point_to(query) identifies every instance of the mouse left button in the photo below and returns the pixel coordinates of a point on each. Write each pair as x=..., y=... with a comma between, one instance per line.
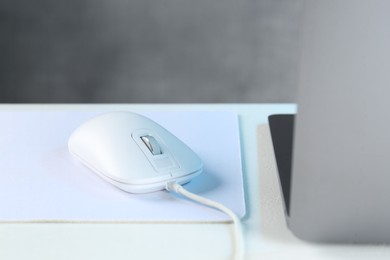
x=152, y=144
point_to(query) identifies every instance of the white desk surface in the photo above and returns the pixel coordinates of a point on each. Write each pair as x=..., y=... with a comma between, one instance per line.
x=265, y=232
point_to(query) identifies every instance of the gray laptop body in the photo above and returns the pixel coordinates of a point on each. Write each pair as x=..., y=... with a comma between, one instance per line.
x=339, y=190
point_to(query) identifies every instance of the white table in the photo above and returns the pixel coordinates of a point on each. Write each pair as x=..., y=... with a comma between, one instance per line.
x=265, y=232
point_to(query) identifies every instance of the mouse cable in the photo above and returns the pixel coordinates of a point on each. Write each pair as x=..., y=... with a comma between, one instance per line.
x=238, y=237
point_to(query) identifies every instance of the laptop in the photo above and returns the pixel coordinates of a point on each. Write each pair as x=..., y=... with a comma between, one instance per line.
x=333, y=156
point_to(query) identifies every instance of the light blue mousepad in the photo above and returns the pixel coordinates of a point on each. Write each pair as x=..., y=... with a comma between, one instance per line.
x=41, y=181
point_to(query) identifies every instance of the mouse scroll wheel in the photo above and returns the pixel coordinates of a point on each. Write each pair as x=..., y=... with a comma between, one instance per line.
x=152, y=144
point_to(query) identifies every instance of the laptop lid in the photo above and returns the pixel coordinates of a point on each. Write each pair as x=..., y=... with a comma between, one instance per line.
x=340, y=189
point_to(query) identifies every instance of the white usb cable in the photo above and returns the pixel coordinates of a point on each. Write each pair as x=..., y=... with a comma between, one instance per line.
x=238, y=238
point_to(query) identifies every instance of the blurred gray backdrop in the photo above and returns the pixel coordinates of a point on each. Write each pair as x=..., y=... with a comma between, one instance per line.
x=139, y=51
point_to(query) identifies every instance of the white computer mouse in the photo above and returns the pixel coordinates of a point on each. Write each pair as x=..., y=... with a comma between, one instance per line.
x=133, y=152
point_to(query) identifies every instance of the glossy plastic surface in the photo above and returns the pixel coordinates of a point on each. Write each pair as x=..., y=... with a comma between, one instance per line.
x=111, y=145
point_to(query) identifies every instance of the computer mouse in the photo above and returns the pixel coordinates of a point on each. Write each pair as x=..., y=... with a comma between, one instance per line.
x=133, y=152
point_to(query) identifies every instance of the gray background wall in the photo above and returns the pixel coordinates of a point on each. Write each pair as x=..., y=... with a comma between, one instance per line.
x=149, y=50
